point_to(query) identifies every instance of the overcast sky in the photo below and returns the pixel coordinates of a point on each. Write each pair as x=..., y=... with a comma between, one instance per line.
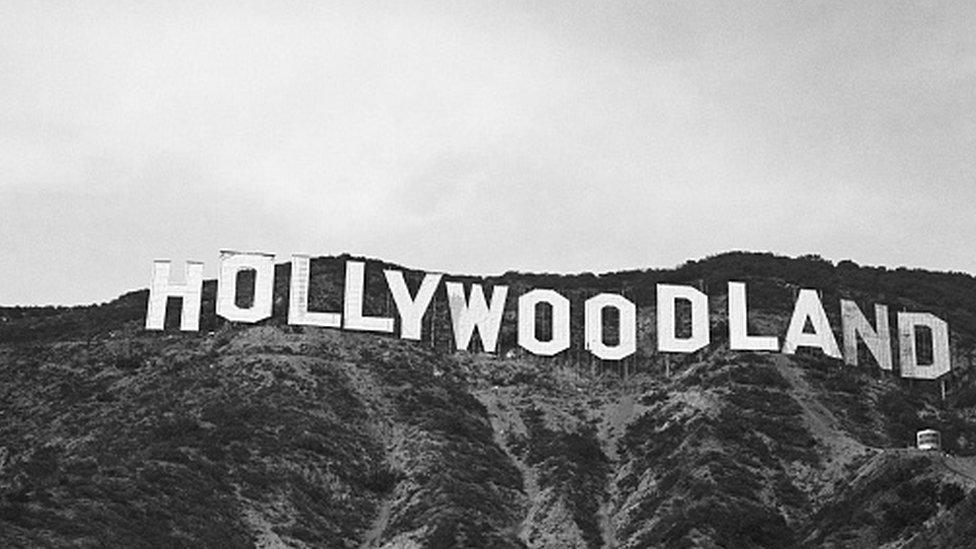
x=480, y=137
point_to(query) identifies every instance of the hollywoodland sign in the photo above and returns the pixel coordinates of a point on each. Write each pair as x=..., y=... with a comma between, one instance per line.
x=471, y=311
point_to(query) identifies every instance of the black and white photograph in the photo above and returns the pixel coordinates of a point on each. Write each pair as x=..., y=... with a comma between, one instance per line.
x=442, y=274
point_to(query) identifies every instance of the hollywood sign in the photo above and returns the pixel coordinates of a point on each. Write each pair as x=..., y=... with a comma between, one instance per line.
x=471, y=312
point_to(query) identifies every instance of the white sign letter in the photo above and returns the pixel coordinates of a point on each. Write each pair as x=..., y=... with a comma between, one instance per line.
x=467, y=315
x=910, y=368
x=560, y=322
x=411, y=310
x=232, y=263
x=594, y=326
x=877, y=341
x=667, y=340
x=160, y=289
x=808, y=306
x=298, y=314
x=739, y=338
x=353, y=306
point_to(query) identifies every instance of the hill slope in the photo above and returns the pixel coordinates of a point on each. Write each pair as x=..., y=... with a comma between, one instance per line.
x=276, y=436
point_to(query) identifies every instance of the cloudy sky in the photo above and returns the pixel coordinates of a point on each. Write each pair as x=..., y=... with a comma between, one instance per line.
x=480, y=137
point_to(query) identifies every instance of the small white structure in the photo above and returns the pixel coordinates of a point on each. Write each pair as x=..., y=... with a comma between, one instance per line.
x=928, y=439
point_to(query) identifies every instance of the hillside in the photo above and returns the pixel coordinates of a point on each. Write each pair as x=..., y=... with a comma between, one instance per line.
x=279, y=436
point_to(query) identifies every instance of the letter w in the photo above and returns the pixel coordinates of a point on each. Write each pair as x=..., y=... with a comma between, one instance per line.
x=466, y=315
